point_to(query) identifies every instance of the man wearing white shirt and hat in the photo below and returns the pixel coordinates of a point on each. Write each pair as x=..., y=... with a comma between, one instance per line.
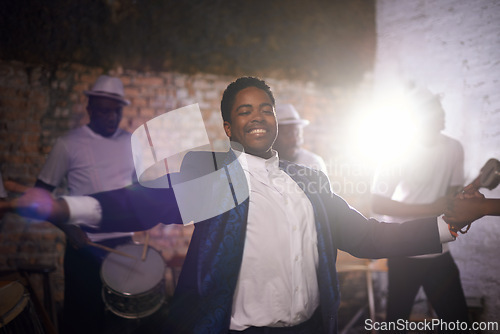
x=290, y=139
x=92, y=158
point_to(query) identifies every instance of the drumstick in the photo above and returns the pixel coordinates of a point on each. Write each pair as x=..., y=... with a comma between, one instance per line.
x=488, y=171
x=145, y=249
x=111, y=250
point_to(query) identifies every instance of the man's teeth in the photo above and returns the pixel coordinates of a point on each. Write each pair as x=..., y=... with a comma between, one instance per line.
x=258, y=131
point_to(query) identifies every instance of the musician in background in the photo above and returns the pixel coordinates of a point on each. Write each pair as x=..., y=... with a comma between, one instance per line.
x=417, y=187
x=290, y=138
x=92, y=158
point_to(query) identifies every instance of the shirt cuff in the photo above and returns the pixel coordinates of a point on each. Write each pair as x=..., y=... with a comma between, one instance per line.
x=84, y=211
x=444, y=232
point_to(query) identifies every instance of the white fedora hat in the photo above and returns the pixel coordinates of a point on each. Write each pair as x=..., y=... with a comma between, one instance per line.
x=286, y=114
x=109, y=87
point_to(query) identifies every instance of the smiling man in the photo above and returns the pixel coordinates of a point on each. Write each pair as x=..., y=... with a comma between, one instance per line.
x=249, y=118
x=268, y=264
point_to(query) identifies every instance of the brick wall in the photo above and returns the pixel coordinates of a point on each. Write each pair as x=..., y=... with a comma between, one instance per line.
x=37, y=106
x=453, y=47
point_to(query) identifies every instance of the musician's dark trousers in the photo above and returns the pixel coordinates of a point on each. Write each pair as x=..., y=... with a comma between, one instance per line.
x=84, y=309
x=440, y=279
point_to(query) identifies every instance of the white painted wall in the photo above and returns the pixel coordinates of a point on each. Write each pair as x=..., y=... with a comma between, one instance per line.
x=453, y=46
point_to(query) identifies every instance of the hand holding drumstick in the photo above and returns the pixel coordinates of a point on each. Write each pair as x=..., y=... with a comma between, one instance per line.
x=468, y=206
x=464, y=209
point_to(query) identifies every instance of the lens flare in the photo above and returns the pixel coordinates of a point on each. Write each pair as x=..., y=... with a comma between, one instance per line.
x=384, y=129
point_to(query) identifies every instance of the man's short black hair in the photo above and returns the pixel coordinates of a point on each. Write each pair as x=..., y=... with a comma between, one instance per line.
x=234, y=88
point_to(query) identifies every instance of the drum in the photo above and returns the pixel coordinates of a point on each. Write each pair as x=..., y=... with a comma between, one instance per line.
x=133, y=288
x=17, y=313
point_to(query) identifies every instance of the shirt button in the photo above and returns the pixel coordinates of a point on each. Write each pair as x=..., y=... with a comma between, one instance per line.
x=296, y=257
x=295, y=227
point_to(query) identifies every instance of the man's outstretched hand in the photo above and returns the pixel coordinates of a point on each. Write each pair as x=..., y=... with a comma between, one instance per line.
x=39, y=204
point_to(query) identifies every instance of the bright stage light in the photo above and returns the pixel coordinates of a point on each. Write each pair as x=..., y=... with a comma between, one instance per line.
x=384, y=129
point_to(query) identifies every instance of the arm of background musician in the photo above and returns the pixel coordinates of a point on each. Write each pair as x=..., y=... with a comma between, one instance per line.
x=463, y=211
x=492, y=207
x=386, y=206
x=40, y=184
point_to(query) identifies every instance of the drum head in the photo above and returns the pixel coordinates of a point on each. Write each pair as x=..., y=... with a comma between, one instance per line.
x=132, y=276
x=12, y=302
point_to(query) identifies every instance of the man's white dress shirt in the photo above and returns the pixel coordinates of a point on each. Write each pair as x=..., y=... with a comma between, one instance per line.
x=277, y=285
